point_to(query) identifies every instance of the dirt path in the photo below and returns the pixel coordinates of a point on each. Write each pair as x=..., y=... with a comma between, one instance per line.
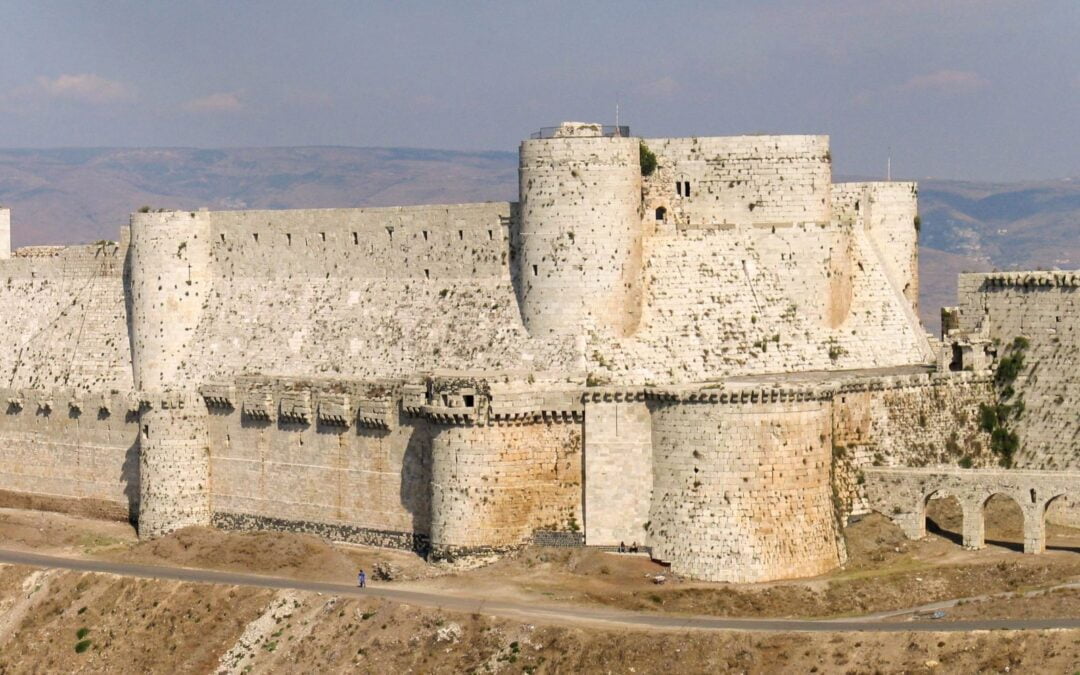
x=530, y=611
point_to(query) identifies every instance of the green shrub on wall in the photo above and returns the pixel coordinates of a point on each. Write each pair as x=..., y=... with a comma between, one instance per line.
x=648, y=160
x=995, y=419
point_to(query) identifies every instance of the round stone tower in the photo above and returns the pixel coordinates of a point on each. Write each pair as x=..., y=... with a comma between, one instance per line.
x=169, y=278
x=579, y=231
x=742, y=487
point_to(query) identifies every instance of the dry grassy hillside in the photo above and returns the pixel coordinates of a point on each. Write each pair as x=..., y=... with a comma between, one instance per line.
x=59, y=621
x=81, y=195
x=91, y=623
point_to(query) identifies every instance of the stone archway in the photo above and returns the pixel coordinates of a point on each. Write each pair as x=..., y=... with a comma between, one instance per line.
x=1005, y=521
x=1065, y=532
x=943, y=514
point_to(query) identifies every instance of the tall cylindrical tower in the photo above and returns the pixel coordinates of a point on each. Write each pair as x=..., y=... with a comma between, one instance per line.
x=579, y=232
x=168, y=280
x=742, y=490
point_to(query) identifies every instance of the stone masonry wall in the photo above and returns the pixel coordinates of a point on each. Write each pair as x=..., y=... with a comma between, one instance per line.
x=618, y=467
x=887, y=211
x=919, y=420
x=174, y=464
x=492, y=486
x=578, y=247
x=742, y=491
x=5, y=233
x=67, y=451
x=64, y=322
x=748, y=299
x=741, y=180
x=329, y=457
x=1043, y=307
x=368, y=293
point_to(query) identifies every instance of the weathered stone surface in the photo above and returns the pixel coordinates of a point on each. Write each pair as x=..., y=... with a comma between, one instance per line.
x=704, y=361
x=902, y=494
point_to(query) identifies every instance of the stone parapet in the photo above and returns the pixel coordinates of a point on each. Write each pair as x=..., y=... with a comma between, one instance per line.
x=1029, y=279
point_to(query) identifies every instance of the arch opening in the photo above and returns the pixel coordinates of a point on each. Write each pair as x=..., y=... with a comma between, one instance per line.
x=1004, y=521
x=1061, y=518
x=944, y=516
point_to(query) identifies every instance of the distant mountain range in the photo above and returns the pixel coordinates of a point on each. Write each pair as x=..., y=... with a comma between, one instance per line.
x=61, y=196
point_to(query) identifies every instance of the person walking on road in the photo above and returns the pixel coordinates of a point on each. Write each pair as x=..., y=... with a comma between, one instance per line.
x=361, y=579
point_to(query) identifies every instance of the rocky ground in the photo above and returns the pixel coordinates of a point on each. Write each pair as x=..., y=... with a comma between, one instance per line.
x=57, y=621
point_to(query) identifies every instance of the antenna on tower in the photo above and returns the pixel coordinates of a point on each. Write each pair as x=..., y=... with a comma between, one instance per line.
x=888, y=168
x=617, y=130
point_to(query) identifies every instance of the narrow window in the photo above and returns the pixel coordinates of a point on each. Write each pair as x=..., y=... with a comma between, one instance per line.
x=222, y=237
x=661, y=212
x=322, y=235
x=288, y=238
x=427, y=274
x=461, y=234
x=535, y=270
x=678, y=187
x=469, y=400
x=425, y=235
x=686, y=188
x=491, y=235
x=255, y=236
x=355, y=239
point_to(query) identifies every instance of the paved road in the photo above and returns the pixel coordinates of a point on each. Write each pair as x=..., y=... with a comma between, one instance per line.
x=526, y=611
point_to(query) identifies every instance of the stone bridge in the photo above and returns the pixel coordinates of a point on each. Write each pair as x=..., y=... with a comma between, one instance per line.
x=902, y=494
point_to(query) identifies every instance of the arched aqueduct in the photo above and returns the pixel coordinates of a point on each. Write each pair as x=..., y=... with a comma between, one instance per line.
x=902, y=494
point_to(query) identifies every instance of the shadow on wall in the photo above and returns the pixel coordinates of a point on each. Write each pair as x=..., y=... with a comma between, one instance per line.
x=415, y=490
x=127, y=312
x=514, y=244
x=129, y=476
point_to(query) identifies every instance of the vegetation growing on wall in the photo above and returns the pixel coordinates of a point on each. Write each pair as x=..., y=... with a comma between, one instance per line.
x=996, y=419
x=648, y=160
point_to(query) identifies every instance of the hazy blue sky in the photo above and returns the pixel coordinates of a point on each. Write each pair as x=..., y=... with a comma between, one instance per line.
x=981, y=89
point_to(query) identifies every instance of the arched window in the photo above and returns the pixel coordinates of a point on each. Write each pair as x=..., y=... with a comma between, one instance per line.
x=661, y=213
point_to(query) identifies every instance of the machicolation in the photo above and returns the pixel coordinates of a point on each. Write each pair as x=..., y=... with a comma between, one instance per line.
x=705, y=355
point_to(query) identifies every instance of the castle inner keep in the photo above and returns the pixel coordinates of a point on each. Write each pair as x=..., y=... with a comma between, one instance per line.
x=701, y=359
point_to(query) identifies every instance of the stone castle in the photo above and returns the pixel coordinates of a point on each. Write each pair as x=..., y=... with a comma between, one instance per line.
x=700, y=358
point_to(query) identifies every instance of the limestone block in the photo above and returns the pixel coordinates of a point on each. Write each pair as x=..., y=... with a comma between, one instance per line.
x=377, y=413
x=295, y=406
x=219, y=395
x=259, y=404
x=334, y=409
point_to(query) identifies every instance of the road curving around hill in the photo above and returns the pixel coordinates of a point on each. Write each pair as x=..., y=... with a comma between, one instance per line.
x=537, y=612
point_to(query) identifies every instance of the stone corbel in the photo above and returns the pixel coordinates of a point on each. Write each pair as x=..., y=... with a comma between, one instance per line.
x=295, y=406
x=259, y=405
x=334, y=410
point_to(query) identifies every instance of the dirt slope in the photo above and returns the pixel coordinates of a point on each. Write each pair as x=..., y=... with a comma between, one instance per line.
x=127, y=625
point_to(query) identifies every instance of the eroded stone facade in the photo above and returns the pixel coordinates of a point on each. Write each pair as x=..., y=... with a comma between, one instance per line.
x=702, y=361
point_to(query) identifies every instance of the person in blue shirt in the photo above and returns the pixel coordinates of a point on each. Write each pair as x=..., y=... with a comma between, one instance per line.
x=361, y=579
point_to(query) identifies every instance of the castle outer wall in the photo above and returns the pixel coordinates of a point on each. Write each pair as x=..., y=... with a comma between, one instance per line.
x=701, y=362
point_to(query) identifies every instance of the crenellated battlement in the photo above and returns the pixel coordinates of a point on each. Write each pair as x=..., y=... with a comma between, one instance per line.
x=624, y=348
